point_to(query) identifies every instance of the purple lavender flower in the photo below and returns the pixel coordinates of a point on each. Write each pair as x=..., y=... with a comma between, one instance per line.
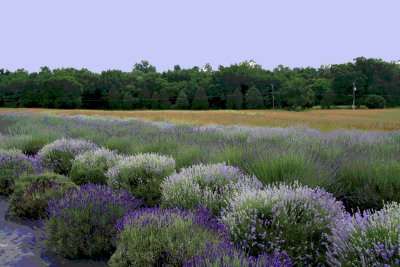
x=367, y=239
x=81, y=223
x=58, y=155
x=154, y=237
x=224, y=254
x=208, y=185
x=281, y=217
x=14, y=163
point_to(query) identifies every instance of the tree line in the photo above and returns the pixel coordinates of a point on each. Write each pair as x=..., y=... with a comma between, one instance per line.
x=244, y=85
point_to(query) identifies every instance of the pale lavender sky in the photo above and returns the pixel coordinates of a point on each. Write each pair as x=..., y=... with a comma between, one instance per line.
x=115, y=34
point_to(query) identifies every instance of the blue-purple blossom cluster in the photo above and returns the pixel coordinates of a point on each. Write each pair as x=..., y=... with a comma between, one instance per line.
x=163, y=218
x=81, y=223
x=224, y=254
x=367, y=239
x=99, y=199
x=208, y=185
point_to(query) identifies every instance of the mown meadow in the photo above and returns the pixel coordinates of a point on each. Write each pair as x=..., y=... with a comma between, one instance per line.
x=143, y=193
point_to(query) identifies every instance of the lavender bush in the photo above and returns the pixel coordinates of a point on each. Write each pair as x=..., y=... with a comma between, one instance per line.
x=142, y=174
x=32, y=193
x=58, y=155
x=153, y=237
x=81, y=223
x=91, y=166
x=208, y=185
x=293, y=218
x=14, y=163
x=367, y=239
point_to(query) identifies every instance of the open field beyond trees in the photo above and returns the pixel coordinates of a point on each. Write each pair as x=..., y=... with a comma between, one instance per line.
x=324, y=120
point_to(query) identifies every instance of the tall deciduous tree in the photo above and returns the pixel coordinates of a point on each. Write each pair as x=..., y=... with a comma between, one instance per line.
x=145, y=67
x=200, y=100
x=328, y=100
x=155, y=101
x=296, y=95
x=164, y=99
x=253, y=99
x=234, y=100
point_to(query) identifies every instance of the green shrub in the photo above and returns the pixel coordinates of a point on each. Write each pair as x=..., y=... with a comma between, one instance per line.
x=58, y=155
x=91, y=166
x=367, y=185
x=142, y=175
x=81, y=223
x=153, y=237
x=13, y=163
x=293, y=218
x=32, y=192
x=375, y=102
x=206, y=185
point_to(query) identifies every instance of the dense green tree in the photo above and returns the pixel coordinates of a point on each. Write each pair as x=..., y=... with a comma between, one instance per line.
x=182, y=102
x=234, y=100
x=296, y=95
x=61, y=92
x=200, y=100
x=145, y=67
x=253, y=99
x=319, y=86
x=375, y=102
x=115, y=89
x=328, y=100
x=155, y=100
x=129, y=102
x=164, y=102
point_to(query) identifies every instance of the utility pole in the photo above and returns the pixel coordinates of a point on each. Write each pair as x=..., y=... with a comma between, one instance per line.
x=273, y=97
x=354, y=95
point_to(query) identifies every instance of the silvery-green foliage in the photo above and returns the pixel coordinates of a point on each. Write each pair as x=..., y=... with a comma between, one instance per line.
x=91, y=166
x=205, y=185
x=367, y=239
x=142, y=174
x=280, y=217
x=58, y=155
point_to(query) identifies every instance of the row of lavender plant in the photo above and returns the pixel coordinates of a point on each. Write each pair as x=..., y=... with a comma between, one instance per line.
x=305, y=223
x=360, y=168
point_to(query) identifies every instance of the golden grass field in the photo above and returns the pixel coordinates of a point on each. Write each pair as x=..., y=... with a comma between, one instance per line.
x=325, y=120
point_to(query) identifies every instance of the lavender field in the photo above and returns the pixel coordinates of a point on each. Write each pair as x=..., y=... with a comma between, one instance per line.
x=126, y=192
